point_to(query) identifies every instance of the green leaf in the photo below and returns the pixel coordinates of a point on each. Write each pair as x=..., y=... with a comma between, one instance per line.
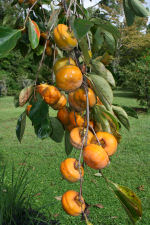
x=130, y=202
x=102, y=89
x=110, y=78
x=39, y=117
x=99, y=68
x=98, y=40
x=84, y=48
x=8, y=40
x=109, y=116
x=100, y=118
x=129, y=13
x=43, y=130
x=21, y=124
x=110, y=41
x=107, y=26
x=34, y=32
x=138, y=8
x=122, y=116
x=131, y=112
x=68, y=145
x=57, y=129
x=81, y=27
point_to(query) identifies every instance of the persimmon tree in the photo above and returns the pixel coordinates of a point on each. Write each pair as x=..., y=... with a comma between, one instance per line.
x=76, y=48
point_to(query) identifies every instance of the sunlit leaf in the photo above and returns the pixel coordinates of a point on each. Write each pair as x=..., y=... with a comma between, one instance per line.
x=81, y=27
x=102, y=89
x=34, y=33
x=8, y=40
x=122, y=116
x=130, y=202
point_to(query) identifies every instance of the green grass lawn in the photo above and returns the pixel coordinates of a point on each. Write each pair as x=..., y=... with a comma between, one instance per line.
x=130, y=166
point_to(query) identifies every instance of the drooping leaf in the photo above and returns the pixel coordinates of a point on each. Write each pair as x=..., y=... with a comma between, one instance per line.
x=8, y=40
x=21, y=124
x=99, y=69
x=39, y=117
x=138, y=8
x=106, y=25
x=131, y=112
x=34, y=33
x=25, y=94
x=109, y=115
x=43, y=130
x=110, y=78
x=57, y=129
x=129, y=13
x=81, y=27
x=98, y=40
x=84, y=48
x=110, y=41
x=130, y=202
x=68, y=146
x=122, y=116
x=100, y=118
x=102, y=89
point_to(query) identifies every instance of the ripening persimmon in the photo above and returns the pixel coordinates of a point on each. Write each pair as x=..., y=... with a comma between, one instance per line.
x=69, y=78
x=70, y=170
x=63, y=38
x=44, y=35
x=28, y=108
x=77, y=135
x=20, y=1
x=107, y=140
x=63, y=62
x=50, y=93
x=72, y=204
x=63, y=116
x=80, y=97
x=95, y=156
x=61, y=103
x=73, y=104
x=76, y=119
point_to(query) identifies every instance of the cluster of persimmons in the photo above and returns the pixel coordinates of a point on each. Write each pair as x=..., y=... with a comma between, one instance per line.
x=97, y=147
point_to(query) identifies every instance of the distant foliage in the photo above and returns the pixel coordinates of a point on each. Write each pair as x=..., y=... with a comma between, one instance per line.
x=137, y=75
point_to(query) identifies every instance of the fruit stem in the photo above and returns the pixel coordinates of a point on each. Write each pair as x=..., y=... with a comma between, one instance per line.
x=26, y=19
x=95, y=135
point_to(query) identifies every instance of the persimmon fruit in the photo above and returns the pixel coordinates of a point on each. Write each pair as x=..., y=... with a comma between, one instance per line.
x=69, y=78
x=73, y=104
x=95, y=156
x=63, y=38
x=72, y=204
x=80, y=97
x=50, y=93
x=107, y=140
x=63, y=116
x=28, y=108
x=70, y=169
x=61, y=103
x=63, y=62
x=76, y=119
x=76, y=137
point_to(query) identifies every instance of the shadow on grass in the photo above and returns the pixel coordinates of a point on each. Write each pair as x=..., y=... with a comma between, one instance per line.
x=16, y=198
x=125, y=94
